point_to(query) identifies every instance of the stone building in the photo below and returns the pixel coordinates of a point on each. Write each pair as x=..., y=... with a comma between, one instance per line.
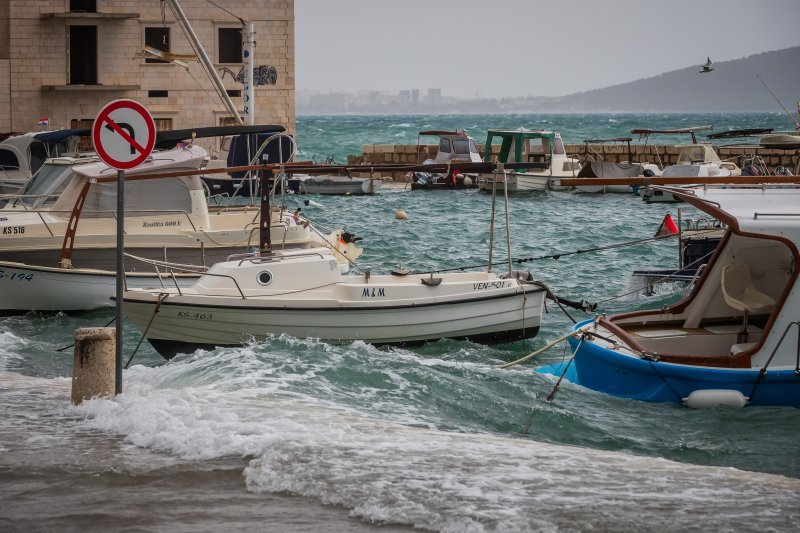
x=62, y=60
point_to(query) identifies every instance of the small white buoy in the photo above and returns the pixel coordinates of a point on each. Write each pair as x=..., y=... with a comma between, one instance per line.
x=467, y=181
x=401, y=215
x=708, y=398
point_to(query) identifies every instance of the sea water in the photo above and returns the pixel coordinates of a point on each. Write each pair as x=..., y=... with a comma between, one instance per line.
x=300, y=435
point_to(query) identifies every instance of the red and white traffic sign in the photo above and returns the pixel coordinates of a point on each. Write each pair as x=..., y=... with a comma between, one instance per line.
x=124, y=134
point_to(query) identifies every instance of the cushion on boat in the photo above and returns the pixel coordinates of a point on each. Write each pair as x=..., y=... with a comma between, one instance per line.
x=736, y=349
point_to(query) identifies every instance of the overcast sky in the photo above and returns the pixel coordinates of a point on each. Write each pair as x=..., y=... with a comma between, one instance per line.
x=496, y=48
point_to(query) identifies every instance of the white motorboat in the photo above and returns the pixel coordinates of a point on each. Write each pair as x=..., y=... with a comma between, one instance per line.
x=454, y=147
x=733, y=340
x=303, y=293
x=27, y=287
x=694, y=161
x=166, y=218
x=21, y=156
x=529, y=146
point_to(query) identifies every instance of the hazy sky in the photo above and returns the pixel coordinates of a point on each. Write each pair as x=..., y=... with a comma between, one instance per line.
x=497, y=48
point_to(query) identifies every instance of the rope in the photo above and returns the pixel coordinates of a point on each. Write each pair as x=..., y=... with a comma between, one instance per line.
x=161, y=298
x=564, y=373
x=559, y=255
x=543, y=348
x=657, y=373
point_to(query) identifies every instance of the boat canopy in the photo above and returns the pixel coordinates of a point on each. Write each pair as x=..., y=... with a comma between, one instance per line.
x=517, y=142
x=440, y=133
x=691, y=131
x=60, y=135
x=697, y=153
x=170, y=138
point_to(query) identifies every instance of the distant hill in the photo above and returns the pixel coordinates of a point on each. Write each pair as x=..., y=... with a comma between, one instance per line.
x=732, y=86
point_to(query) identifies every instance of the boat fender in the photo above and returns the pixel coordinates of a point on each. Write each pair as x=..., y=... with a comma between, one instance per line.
x=648, y=173
x=431, y=281
x=311, y=203
x=521, y=275
x=708, y=398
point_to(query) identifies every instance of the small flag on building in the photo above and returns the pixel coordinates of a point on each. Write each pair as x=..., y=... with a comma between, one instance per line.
x=667, y=227
x=45, y=121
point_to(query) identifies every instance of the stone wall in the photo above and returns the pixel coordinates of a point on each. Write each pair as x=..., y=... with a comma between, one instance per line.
x=37, y=71
x=381, y=154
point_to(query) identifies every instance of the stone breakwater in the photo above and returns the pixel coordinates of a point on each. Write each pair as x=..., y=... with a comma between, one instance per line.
x=411, y=154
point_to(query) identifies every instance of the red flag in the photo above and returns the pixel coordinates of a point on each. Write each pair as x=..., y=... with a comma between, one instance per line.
x=667, y=227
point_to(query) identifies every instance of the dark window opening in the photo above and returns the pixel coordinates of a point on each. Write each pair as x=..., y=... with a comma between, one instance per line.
x=234, y=93
x=163, y=124
x=83, y=55
x=157, y=94
x=85, y=143
x=87, y=6
x=158, y=38
x=230, y=45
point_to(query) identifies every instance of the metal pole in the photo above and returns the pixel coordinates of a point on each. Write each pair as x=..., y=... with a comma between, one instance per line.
x=201, y=54
x=491, y=220
x=120, y=275
x=508, y=227
x=248, y=51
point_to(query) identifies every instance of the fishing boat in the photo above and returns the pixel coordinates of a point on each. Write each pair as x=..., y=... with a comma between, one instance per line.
x=302, y=293
x=454, y=147
x=733, y=340
x=542, y=148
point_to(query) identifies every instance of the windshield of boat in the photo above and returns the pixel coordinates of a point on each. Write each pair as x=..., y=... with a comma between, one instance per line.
x=461, y=146
x=46, y=185
x=444, y=146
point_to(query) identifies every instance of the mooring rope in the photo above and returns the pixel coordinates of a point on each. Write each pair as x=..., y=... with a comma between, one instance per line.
x=557, y=255
x=161, y=297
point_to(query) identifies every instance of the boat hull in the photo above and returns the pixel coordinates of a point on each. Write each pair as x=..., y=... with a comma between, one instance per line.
x=341, y=186
x=182, y=327
x=25, y=288
x=608, y=371
x=522, y=182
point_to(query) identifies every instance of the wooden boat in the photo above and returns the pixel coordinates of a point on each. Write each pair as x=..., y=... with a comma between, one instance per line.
x=733, y=340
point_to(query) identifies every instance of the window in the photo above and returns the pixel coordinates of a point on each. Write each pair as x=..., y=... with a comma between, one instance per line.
x=83, y=55
x=230, y=45
x=87, y=6
x=158, y=38
x=234, y=93
x=444, y=146
x=85, y=143
x=158, y=94
x=460, y=146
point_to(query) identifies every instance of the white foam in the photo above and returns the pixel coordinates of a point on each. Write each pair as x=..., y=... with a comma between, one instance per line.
x=385, y=471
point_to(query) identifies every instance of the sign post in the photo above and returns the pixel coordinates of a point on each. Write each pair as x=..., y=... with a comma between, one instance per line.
x=124, y=134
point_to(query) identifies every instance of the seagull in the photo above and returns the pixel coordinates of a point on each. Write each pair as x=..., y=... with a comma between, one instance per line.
x=706, y=67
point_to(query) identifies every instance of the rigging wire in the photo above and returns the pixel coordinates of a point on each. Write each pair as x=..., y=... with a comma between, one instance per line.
x=237, y=17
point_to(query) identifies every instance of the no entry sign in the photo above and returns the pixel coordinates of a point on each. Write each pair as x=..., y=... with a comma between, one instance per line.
x=124, y=134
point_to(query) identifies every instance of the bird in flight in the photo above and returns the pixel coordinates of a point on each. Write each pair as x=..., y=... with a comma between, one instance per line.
x=706, y=67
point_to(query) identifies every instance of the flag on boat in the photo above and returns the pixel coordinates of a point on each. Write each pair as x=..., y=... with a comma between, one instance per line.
x=45, y=121
x=667, y=227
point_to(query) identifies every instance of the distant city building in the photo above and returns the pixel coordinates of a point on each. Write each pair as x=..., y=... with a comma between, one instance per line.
x=404, y=96
x=415, y=93
x=62, y=60
x=434, y=96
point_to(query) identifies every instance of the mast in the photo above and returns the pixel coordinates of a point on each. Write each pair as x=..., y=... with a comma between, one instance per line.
x=248, y=51
x=201, y=54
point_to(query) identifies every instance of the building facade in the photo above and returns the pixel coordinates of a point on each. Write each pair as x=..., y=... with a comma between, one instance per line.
x=63, y=60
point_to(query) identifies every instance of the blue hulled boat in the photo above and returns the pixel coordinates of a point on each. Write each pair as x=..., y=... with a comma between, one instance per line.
x=734, y=340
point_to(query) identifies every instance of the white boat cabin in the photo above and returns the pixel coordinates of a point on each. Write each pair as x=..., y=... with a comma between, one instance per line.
x=454, y=147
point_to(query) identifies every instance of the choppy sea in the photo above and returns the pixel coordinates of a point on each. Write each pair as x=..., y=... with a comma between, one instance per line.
x=299, y=435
